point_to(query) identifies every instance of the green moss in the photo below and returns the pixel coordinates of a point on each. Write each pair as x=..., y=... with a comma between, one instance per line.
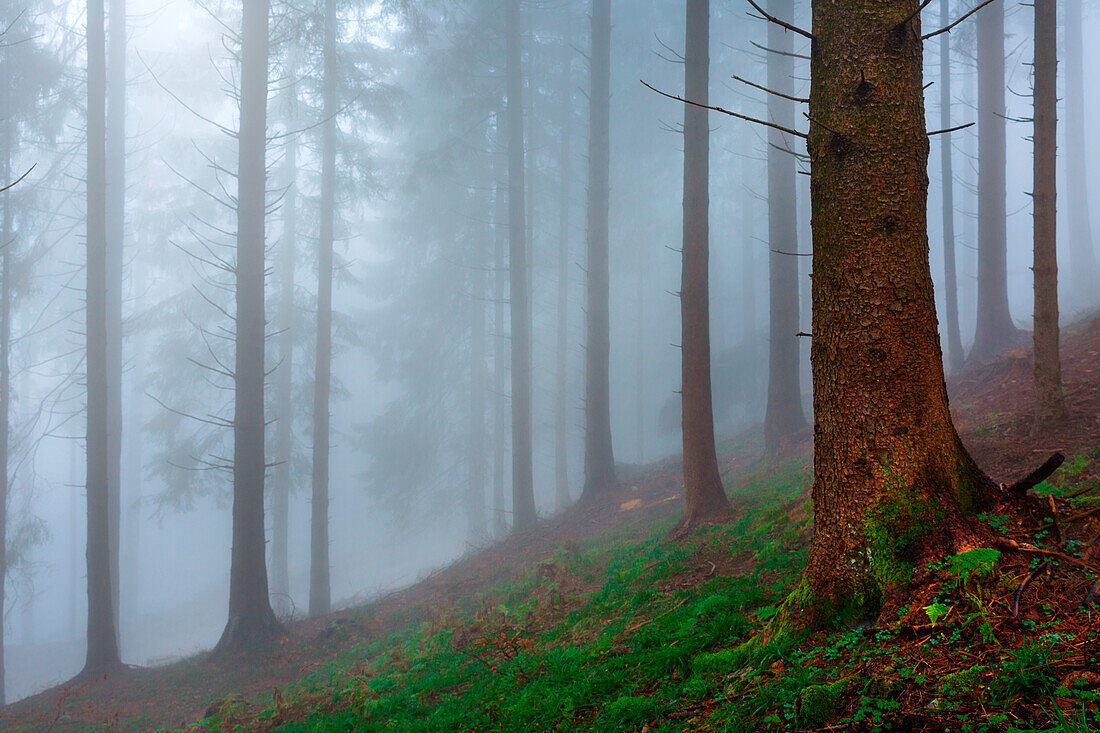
x=816, y=703
x=961, y=681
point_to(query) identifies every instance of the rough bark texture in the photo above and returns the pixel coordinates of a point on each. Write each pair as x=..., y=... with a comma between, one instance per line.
x=1082, y=256
x=704, y=494
x=102, y=652
x=523, y=490
x=955, y=353
x=599, y=457
x=1050, y=405
x=892, y=482
x=251, y=621
x=994, y=330
x=320, y=594
x=562, y=497
x=784, y=415
x=116, y=229
x=284, y=398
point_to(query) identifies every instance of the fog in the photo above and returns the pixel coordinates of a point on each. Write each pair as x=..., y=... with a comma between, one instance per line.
x=420, y=222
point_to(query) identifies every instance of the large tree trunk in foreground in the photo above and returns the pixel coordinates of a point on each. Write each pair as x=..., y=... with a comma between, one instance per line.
x=116, y=227
x=1084, y=271
x=994, y=330
x=704, y=494
x=251, y=621
x=523, y=489
x=892, y=481
x=955, y=353
x=1050, y=405
x=102, y=653
x=784, y=415
x=320, y=595
x=599, y=457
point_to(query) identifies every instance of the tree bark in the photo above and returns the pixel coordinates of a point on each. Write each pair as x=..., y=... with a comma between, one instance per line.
x=1050, y=405
x=599, y=455
x=116, y=225
x=102, y=651
x=1085, y=272
x=251, y=621
x=892, y=482
x=523, y=490
x=284, y=396
x=704, y=495
x=320, y=594
x=994, y=330
x=955, y=352
x=784, y=415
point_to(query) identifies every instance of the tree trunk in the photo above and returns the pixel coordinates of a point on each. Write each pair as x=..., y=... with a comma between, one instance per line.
x=704, y=495
x=320, y=595
x=523, y=491
x=477, y=530
x=1050, y=406
x=5, y=353
x=251, y=621
x=1082, y=256
x=784, y=415
x=599, y=456
x=284, y=385
x=955, y=353
x=892, y=481
x=748, y=261
x=500, y=345
x=102, y=652
x=562, y=497
x=994, y=330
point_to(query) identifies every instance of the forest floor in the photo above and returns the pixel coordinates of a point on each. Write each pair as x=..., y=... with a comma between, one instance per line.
x=596, y=621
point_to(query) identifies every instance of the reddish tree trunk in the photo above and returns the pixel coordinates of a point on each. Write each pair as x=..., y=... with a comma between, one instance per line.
x=704, y=494
x=784, y=415
x=994, y=330
x=1050, y=406
x=892, y=481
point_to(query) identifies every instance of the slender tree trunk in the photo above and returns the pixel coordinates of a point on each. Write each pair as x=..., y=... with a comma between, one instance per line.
x=102, y=652
x=284, y=396
x=1050, y=405
x=599, y=456
x=251, y=621
x=6, y=246
x=500, y=366
x=951, y=289
x=131, y=501
x=562, y=495
x=995, y=329
x=748, y=261
x=892, y=481
x=704, y=494
x=116, y=224
x=1082, y=256
x=784, y=415
x=320, y=595
x=477, y=530
x=523, y=490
